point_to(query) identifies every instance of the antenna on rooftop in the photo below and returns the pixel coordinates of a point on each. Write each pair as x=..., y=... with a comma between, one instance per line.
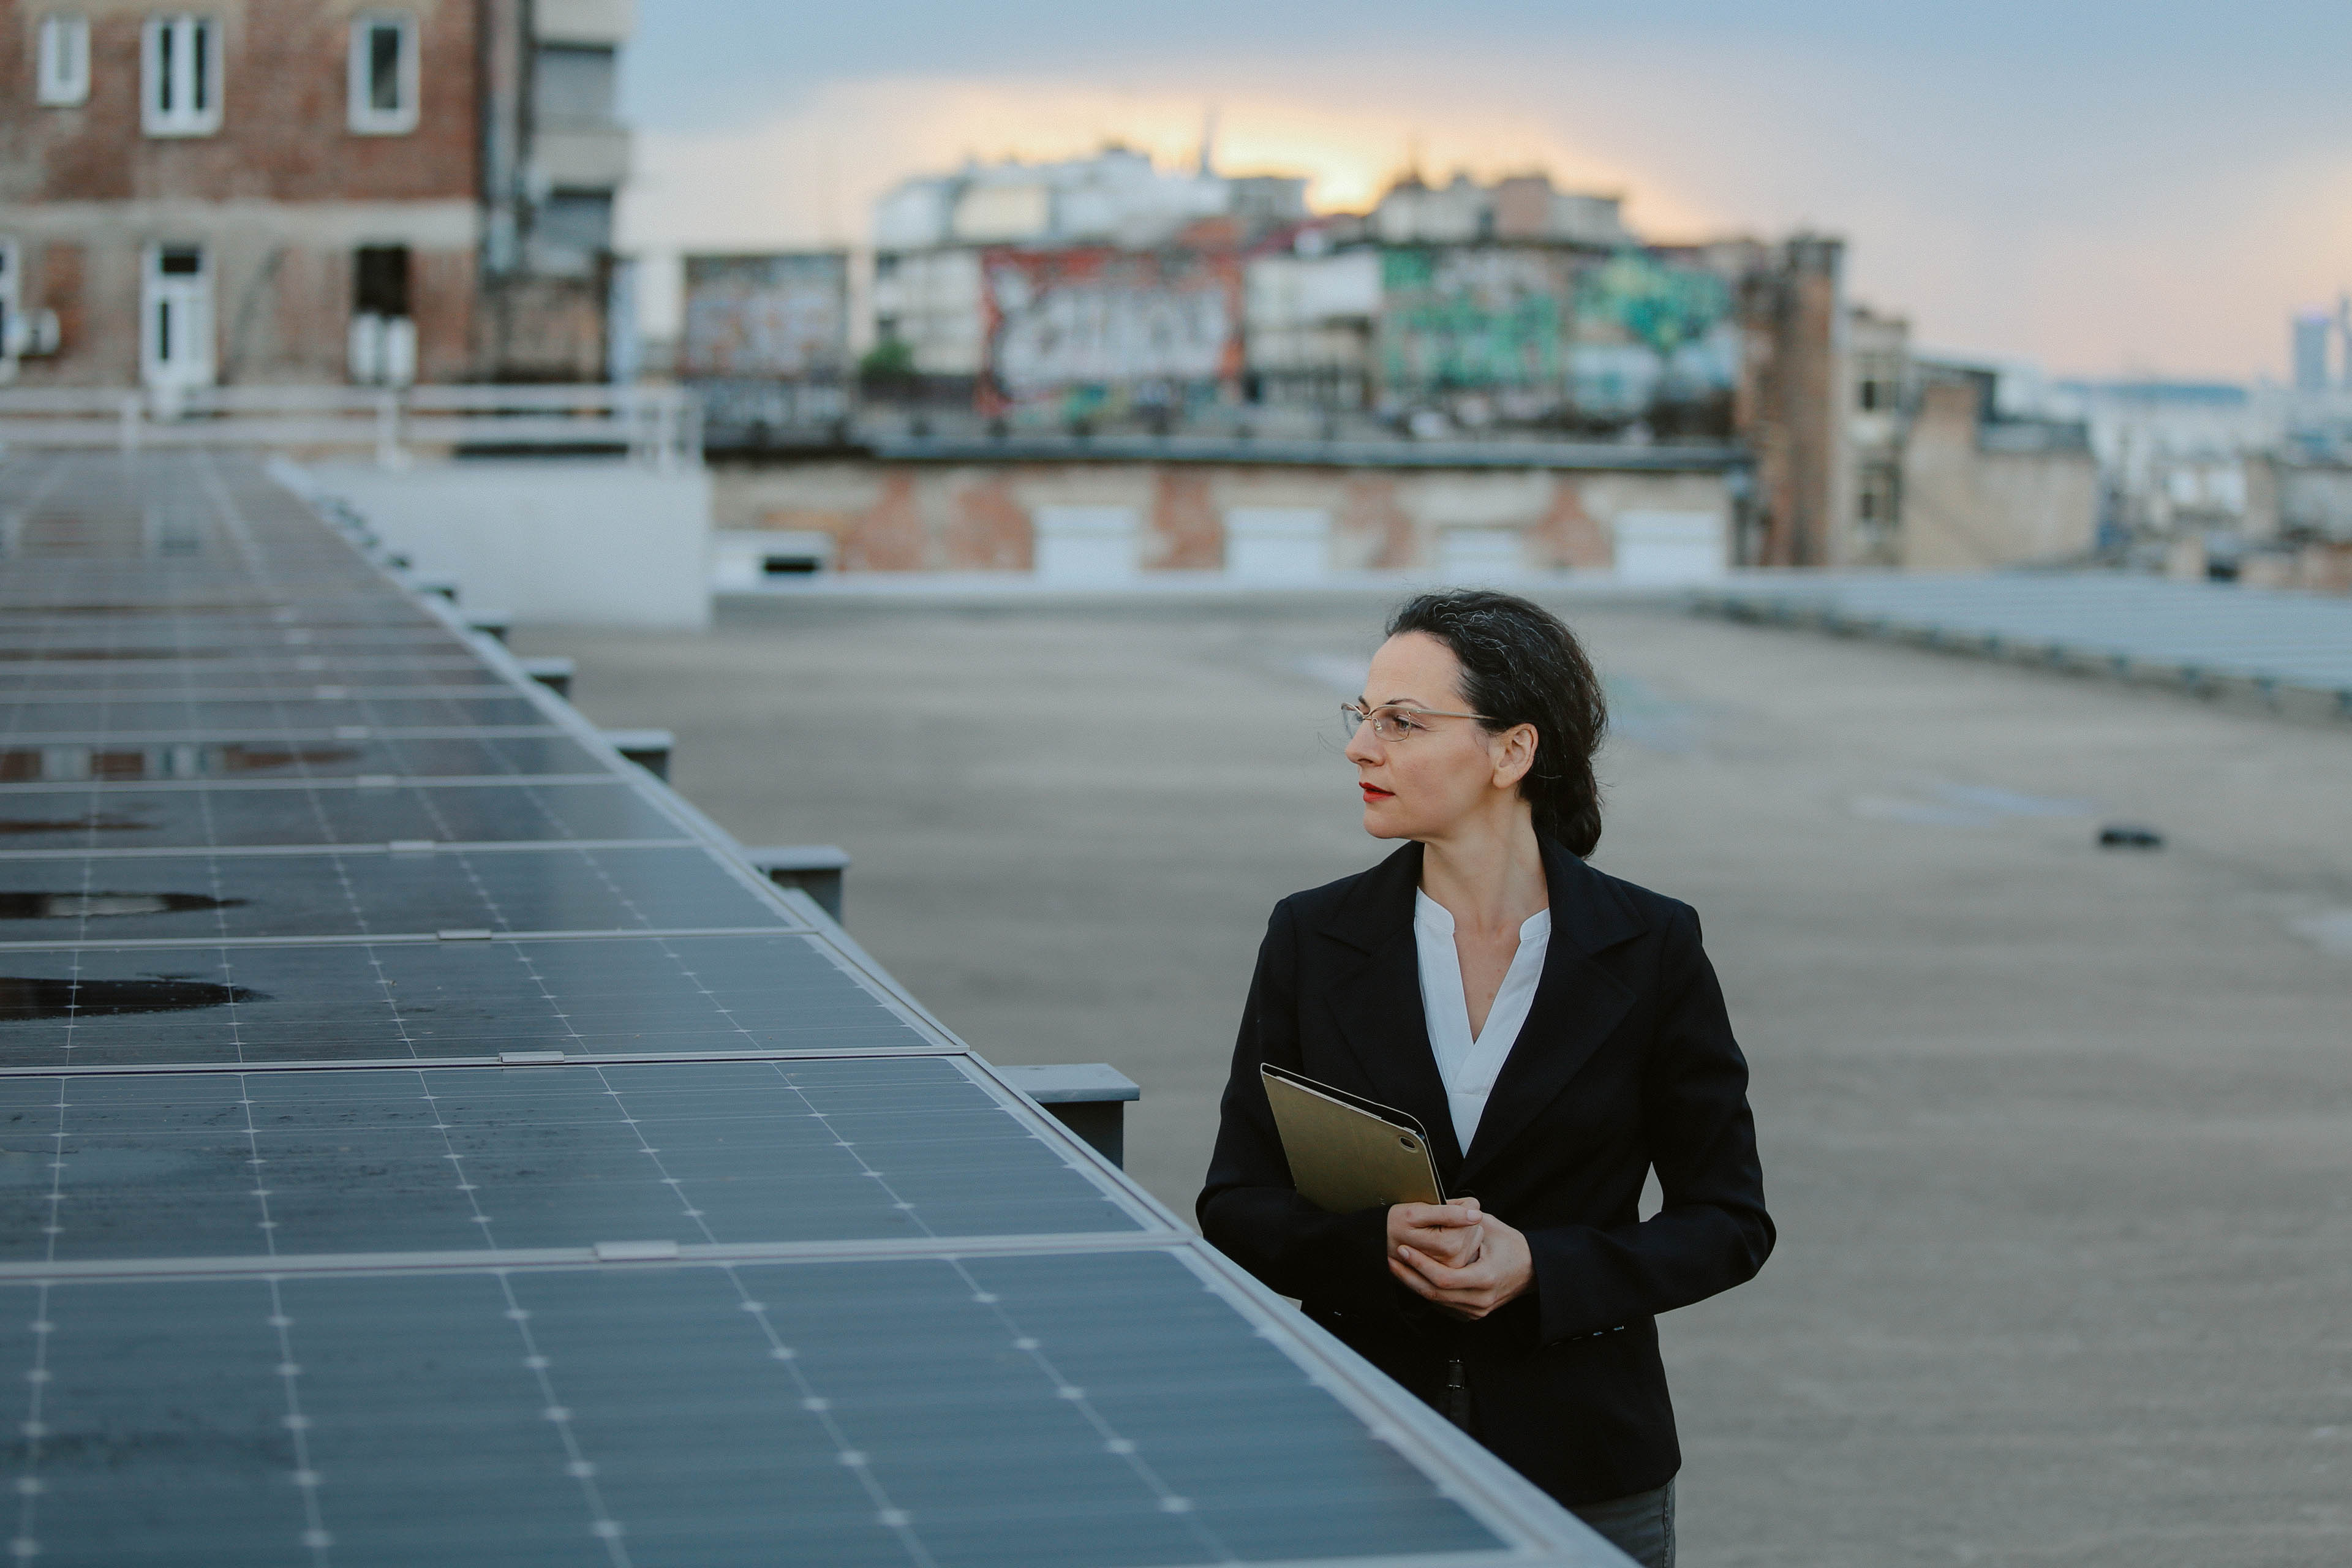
x=1209, y=142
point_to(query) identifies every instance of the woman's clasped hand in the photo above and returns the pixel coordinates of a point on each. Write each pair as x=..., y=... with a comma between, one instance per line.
x=1456, y=1255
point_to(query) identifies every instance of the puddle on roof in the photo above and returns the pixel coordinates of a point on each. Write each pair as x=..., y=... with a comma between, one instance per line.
x=75, y=764
x=95, y=906
x=33, y=996
x=96, y=822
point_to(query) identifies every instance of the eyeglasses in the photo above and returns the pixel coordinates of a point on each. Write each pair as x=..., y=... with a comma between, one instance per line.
x=1392, y=723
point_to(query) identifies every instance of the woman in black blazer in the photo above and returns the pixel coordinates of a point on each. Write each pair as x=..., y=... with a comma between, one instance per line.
x=1525, y=1308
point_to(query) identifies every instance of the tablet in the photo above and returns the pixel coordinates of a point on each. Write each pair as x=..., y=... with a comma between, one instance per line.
x=1346, y=1152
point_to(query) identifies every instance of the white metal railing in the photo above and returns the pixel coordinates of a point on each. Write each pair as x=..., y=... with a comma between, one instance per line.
x=656, y=424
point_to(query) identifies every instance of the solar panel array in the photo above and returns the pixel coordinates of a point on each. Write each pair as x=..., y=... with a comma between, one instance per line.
x=2201, y=634
x=423, y=1139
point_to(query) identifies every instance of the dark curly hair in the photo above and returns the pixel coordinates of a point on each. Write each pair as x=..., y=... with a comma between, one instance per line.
x=1521, y=664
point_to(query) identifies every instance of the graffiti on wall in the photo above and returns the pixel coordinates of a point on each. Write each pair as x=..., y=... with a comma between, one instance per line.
x=1072, y=334
x=784, y=316
x=1650, y=333
x=1471, y=320
x=1549, y=335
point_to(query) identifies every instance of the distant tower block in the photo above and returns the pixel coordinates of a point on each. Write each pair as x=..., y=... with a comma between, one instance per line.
x=2312, y=330
x=2343, y=336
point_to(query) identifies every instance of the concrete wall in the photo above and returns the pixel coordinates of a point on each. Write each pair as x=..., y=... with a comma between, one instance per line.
x=1964, y=507
x=884, y=516
x=587, y=540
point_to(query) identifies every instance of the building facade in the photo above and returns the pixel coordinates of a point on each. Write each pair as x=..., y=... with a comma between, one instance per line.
x=1981, y=487
x=1104, y=301
x=308, y=191
x=1950, y=466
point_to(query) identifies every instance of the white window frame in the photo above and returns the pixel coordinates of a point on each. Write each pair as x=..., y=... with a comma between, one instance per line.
x=365, y=119
x=64, y=76
x=191, y=296
x=169, y=103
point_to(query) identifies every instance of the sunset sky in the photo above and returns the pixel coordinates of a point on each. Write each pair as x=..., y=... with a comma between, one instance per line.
x=2105, y=188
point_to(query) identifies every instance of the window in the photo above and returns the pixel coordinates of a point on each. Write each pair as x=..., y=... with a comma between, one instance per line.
x=573, y=85
x=383, y=337
x=1878, y=383
x=64, y=61
x=183, y=89
x=383, y=74
x=380, y=280
x=574, y=227
x=175, y=331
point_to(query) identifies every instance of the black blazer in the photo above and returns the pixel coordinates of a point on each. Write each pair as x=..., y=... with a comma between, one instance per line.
x=1626, y=1062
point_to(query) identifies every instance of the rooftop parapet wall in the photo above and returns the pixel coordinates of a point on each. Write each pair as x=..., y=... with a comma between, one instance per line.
x=959, y=515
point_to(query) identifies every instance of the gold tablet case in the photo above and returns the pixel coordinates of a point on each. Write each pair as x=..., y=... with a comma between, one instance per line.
x=1346, y=1152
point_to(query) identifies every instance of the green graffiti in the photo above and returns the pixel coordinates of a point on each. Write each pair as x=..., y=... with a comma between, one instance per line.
x=1657, y=304
x=1490, y=320
x=1405, y=269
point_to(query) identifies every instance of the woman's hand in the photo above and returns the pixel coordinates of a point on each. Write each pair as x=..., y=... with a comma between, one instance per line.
x=1446, y=1232
x=1473, y=1270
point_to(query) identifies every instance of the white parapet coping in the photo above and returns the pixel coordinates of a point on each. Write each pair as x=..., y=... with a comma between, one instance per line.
x=588, y=541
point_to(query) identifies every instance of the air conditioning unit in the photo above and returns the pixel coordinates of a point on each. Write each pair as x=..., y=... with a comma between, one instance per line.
x=29, y=333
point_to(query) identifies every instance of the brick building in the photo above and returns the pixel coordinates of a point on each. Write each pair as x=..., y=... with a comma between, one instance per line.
x=306, y=191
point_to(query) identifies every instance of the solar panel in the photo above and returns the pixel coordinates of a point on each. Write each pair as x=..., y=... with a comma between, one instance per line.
x=431, y=999
x=148, y=1165
x=292, y=756
x=884, y=1412
x=199, y=898
x=97, y=718
x=232, y=677
x=328, y=812
x=192, y=639
x=423, y=1140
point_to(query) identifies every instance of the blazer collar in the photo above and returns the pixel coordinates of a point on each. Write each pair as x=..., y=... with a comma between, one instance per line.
x=1588, y=912
x=1377, y=1001
x=1577, y=1002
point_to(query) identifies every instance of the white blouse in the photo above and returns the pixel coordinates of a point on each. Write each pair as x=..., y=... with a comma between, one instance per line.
x=1468, y=1064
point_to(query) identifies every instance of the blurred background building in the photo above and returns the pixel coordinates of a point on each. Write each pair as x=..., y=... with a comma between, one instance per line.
x=1193, y=370
x=1497, y=377
x=296, y=192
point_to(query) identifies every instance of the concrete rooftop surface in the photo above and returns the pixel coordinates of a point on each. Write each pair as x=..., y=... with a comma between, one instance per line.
x=2058, y=1138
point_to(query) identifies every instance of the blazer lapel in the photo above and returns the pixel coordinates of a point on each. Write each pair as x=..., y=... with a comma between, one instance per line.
x=1377, y=1003
x=1578, y=1002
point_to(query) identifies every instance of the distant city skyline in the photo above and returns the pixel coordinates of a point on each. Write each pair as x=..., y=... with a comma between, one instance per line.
x=2107, y=189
